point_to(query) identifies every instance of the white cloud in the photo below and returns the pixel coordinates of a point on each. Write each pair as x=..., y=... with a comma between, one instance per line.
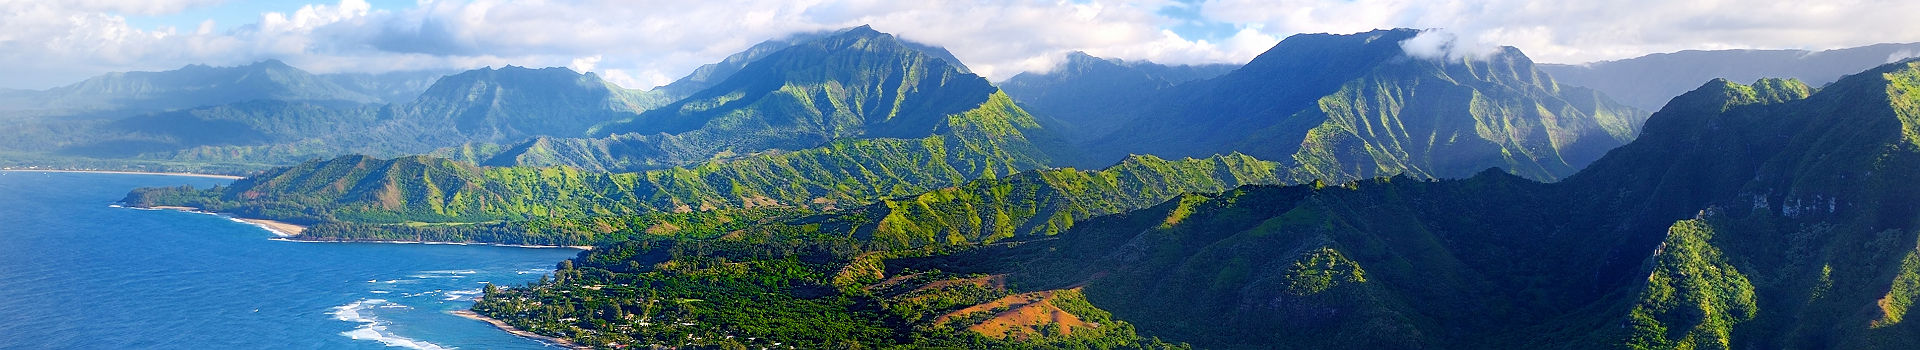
x=1902, y=55
x=133, y=7
x=584, y=64
x=1442, y=44
x=643, y=43
x=639, y=43
x=1583, y=31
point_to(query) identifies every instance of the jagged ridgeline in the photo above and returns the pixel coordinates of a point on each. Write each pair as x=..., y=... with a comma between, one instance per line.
x=846, y=118
x=1347, y=107
x=944, y=128
x=1747, y=216
x=120, y=94
x=984, y=142
x=855, y=83
x=287, y=115
x=1035, y=203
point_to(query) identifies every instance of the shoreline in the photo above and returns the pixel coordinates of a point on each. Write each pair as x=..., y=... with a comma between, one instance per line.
x=502, y=325
x=123, y=172
x=292, y=239
x=284, y=231
x=279, y=228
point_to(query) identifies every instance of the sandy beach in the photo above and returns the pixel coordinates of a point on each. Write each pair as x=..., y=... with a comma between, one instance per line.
x=280, y=228
x=229, y=177
x=562, y=342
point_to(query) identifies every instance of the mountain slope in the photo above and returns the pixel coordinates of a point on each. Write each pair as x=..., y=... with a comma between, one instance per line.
x=1357, y=106
x=513, y=103
x=484, y=105
x=988, y=141
x=1647, y=82
x=128, y=93
x=1725, y=225
x=856, y=83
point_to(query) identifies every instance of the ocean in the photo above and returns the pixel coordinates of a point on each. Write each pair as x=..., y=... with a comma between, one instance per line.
x=79, y=273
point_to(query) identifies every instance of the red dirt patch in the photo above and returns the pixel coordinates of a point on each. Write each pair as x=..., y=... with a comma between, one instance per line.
x=1022, y=317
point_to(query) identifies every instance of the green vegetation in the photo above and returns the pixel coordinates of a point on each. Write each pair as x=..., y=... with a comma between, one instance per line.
x=1376, y=112
x=745, y=293
x=1693, y=296
x=853, y=84
x=985, y=142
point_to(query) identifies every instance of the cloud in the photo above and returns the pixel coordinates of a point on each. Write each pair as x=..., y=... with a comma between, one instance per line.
x=1902, y=55
x=584, y=64
x=643, y=43
x=638, y=42
x=135, y=7
x=1584, y=31
x=1441, y=44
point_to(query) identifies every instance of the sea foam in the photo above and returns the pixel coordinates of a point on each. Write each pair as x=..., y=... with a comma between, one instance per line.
x=461, y=295
x=373, y=328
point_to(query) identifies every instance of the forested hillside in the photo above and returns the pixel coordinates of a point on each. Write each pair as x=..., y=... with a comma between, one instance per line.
x=1747, y=216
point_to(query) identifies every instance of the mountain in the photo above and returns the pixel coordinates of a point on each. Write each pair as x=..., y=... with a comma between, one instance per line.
x=1084, y=93
x=513, y=103
x=856, y=83
x=1647, y=82
x=470, y=115
x=985, y=142
x=130, y=93
x=483, y=105
x=857, y=116
x=1767, y=215
x=1345, y=107
x=1035, y=203
x=1747, y=216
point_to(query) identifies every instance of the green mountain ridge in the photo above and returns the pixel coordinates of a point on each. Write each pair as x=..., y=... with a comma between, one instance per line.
x=902, y=202
x=855, y=83
x=512, y=103
x=984, y=142
x=1495, y=261
x=1357, y=106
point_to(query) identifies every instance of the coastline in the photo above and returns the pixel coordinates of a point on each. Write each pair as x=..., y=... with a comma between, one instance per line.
x=290, y=231
x=502, y=325
x=279, y=228
x=303, y=240
x=215, y=176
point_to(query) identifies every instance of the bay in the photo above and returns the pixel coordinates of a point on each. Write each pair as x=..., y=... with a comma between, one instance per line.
x=79, y=273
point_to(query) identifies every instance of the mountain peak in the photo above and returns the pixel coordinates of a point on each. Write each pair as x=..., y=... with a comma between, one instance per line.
x=270, y=63
x=1721, y=94
x=861, y=31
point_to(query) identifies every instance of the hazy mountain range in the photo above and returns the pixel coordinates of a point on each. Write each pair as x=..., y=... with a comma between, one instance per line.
x=1647, y=82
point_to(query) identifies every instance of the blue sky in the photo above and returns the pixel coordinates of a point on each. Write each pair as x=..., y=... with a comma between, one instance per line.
x=643, y=43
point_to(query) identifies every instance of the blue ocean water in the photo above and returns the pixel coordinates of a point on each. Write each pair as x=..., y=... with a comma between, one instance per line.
x=76, y=273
